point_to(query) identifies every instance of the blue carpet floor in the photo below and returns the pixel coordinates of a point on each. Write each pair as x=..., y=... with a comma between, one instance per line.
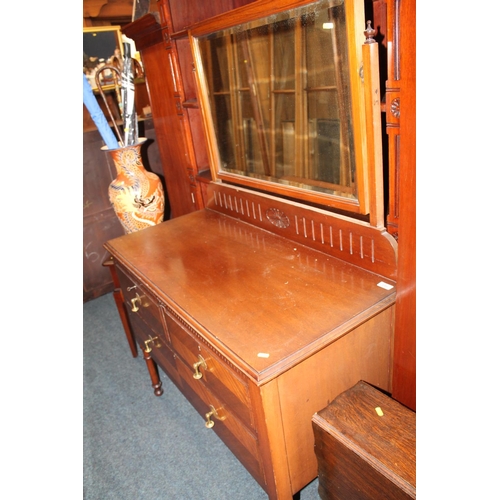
x=137, y=446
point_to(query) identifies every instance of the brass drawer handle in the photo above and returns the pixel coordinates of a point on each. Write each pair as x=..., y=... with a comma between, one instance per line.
x=150, y=343
x=136, y=302
x=212, y=413
x=201, y=363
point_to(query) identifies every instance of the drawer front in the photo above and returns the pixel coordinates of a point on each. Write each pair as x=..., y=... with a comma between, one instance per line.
x=211, y=371
x=160, y=351
x=139, y=302
x=226, y=425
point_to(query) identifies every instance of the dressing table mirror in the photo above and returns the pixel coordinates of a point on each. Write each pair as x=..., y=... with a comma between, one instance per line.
x=283, y=100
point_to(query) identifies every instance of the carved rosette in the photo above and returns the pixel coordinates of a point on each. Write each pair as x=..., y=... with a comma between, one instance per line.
x=395, y=107
x=277, y=218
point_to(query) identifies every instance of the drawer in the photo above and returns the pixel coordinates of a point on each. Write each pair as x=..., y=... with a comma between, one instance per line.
x=242, y=442
x=161, y=352
x=139, y=302
x=209, y=370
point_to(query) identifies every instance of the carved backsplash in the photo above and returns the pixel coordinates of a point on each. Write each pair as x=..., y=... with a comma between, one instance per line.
x=350, y=240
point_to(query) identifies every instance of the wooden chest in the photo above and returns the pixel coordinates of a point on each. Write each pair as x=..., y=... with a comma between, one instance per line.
x=365, y=445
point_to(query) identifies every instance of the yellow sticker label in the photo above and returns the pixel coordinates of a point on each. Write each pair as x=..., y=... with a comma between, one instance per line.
x=379, y=411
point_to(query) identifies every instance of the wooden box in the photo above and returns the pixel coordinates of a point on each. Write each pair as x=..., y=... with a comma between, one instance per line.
x=365, y=446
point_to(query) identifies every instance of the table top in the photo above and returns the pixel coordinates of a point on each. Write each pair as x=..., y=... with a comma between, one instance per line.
x=259, y=298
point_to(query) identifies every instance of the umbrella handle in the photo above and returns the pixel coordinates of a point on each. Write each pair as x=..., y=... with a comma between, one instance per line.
x=99, y=86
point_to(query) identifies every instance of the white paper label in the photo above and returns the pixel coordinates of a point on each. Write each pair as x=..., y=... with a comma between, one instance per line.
x=384, y=285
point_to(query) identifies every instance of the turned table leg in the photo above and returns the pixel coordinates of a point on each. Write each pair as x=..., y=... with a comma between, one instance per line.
x=153, y=370
x=120, y=305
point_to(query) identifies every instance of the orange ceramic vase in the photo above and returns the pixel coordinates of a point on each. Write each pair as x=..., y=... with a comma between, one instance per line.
x=136, y=195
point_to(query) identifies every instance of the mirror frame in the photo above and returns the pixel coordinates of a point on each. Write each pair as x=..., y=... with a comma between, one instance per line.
x=355, y=25
x=102, y=42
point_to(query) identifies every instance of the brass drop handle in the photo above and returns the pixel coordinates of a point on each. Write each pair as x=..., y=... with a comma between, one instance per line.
x=150, y=343
x=212, y=413
x=201, y=363
x=136, y=302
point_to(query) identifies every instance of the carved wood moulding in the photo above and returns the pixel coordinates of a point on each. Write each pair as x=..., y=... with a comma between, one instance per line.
x=352, y=241
x=105, y=9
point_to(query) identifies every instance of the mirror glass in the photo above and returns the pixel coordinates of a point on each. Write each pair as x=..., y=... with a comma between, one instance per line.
x=280, y=98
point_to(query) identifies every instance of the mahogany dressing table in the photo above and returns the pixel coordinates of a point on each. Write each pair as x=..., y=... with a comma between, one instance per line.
x=261, y=308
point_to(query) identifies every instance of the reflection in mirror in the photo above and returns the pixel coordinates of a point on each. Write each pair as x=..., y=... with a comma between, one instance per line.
x=280, y=97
